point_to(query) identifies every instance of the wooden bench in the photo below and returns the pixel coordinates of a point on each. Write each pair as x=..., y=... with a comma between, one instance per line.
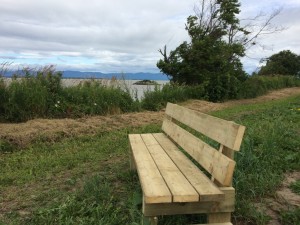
x=171, y=181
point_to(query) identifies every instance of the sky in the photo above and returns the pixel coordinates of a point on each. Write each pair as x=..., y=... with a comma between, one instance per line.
x=121, y=36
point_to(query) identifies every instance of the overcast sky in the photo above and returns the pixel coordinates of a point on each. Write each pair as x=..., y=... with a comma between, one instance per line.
x=119, y=35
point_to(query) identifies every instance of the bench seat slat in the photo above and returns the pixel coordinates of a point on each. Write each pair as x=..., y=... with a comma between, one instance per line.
x=154, y=187
x=214, y=162
x=179, y=186
x=207, y=190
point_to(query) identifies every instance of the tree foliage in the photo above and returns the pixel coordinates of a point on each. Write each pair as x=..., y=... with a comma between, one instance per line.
x=217, y=42
x=283, y=63
x=212, y=57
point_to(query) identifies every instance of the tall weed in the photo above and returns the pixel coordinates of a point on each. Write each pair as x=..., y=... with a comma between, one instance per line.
x=93, y=98
x=40, y=94
x=30, y=96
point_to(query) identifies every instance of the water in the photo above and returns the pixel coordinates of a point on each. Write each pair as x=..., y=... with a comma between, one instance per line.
x=135, y=90
x=138, y=90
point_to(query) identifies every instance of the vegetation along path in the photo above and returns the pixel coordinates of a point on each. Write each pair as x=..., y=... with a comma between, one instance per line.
x=22, y=134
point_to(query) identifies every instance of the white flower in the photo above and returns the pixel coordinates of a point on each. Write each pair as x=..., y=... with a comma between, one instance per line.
x=58, y=102
x=95, y=103
x=56, y=105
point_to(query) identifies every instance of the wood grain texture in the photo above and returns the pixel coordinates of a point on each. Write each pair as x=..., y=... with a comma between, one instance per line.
x=179, y=186
x=213, y=161
x=207, y=190
x=154, y=187
x=225, y=132
x=193, y=207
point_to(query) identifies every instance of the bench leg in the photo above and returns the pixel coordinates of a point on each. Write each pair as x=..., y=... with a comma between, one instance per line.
x=219, y=217
x=132, y=163
x=149, y=220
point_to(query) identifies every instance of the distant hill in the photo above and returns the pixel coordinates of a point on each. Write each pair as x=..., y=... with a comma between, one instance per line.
x=99, y=75
x=126, y=76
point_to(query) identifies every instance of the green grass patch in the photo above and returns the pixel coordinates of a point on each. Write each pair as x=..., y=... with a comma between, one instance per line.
x=295, y=186
x=86, y=180
x=290, y=217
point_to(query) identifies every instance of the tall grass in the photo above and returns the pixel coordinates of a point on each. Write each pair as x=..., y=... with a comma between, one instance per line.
x=259, y=85
x=157, y=99
x=40, y=94
x=93, y=98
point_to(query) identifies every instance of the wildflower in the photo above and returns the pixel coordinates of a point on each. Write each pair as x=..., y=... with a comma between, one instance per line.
x=95, y=103
x=58, y=102
x=56, y=105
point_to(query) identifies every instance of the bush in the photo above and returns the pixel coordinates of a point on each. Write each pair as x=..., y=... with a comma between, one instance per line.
x=93, y=98
x=31, y=96
x=259, y=85
x=157, y=99
x=3, y=97
x=39, y=94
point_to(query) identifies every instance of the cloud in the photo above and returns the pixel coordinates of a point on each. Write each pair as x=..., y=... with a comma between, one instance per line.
x=92, y=29
x=111, y=36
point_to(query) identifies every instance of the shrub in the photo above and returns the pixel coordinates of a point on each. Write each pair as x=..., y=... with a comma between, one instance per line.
x=38, y=94
x=259, y=85
x=93, y=98
x=3, y=97
x=172, y=92
x=31, y=96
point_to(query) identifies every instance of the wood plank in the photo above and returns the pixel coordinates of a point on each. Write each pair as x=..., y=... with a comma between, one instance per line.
x=158, y=191
x=207, y=190
x=214, y=162
x=192, y=207
x=179, y=186
x=225, y=132
x=132, y=162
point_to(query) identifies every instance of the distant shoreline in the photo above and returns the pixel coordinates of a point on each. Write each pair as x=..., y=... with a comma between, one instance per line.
x=105, y=76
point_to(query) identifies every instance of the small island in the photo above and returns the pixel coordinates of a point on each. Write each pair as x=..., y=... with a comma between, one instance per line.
x=146, y=82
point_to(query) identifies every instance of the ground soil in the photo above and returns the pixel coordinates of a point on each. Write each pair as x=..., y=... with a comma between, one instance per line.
x=284, y=200
x=22, y=134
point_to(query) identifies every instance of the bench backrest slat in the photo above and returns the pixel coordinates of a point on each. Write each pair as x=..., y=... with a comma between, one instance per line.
x=213, y=161
x=225, y=132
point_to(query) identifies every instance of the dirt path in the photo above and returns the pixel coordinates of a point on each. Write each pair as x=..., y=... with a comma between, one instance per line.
x=22, y=134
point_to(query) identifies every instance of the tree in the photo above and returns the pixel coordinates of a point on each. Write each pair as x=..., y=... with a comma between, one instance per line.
x=212, y=57
x=283, y=63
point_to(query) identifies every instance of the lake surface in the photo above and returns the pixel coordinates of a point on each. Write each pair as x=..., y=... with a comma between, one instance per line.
x=136, y=90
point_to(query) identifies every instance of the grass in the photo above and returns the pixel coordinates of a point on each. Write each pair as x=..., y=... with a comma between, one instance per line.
x=290, y=217
x=86, y=180
x=296, y=187
x=40, y=94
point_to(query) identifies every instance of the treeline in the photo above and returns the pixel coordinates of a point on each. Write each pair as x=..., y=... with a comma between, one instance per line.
x=40, y=94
